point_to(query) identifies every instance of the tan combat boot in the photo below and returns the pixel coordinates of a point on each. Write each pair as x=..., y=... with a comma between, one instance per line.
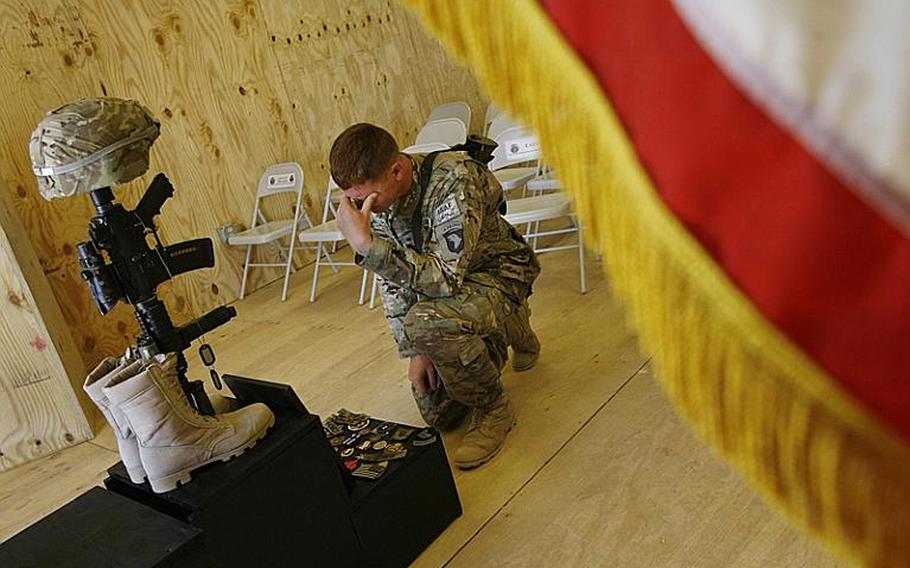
x=126, y=440
x=173, y=438
x=486, y=434
x=524, y=342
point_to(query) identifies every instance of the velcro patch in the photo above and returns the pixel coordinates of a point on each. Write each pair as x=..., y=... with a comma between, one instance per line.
x=447, y=210
x=454, y=239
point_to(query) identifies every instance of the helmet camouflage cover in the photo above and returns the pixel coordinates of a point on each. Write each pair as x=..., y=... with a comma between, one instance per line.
x=91, y=143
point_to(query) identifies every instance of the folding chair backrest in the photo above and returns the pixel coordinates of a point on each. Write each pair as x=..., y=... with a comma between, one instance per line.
x=333, y=195
x=449, y=131
x=516, y=145
x=276, y=179
x=502, y=122
x=493, y=111
x=457, y=109
x=281, y=178
x=425, y=148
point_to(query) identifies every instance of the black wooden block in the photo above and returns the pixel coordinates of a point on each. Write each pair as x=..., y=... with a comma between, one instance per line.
x=397, y=516
x=282, y=503
x=103, y=529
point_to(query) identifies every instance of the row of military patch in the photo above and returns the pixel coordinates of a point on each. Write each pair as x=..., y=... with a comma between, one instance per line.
x=345, y=419
x=366, y=446
x=382, y=442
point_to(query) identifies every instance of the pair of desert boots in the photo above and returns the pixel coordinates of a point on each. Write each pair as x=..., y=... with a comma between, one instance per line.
x=161, y=437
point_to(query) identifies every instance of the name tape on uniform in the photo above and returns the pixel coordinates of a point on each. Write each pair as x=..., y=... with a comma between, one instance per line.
x=447, y=210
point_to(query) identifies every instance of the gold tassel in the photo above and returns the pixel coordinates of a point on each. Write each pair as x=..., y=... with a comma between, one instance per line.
x=831, y=467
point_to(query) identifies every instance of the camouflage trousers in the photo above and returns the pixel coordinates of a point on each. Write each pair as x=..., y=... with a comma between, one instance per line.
x=466, y=337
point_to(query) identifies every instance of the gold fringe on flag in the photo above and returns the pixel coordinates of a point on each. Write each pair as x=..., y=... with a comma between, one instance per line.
x=830, y=466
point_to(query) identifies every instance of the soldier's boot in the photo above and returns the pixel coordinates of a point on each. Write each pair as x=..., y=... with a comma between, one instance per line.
x=173, y=438
x=486, y=433
x=524, y=342
x=126, y=440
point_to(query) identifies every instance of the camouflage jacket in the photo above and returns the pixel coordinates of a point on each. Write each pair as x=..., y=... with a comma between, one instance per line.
x=465, y=239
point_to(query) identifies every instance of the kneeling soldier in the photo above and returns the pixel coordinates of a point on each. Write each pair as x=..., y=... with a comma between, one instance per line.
x=455, y=277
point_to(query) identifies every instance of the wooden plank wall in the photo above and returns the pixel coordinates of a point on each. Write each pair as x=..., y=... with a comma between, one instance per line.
x=237, y=85
x=39, y=411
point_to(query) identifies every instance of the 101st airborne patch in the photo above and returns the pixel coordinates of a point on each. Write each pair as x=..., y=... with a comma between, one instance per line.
x=454, y=239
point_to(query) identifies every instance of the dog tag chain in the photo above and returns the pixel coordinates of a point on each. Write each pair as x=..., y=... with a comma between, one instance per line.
x=207, y=354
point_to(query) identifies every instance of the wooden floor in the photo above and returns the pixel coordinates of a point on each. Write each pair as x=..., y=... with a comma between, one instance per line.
x=598, y=472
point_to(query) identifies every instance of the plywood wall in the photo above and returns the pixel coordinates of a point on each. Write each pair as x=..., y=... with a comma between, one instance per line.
x=237, y=85
x=40, y=367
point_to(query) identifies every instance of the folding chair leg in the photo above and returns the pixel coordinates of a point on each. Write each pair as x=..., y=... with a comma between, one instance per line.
x=329, y=260
x=581, y=259
x=279, y=249
x=373, y=290
x=315, y=273
x=363, y=287
x=246, y=269
x=291, y=255
x=287, y=270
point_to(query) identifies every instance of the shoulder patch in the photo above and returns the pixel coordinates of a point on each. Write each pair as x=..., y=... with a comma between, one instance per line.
x=454, y=239
x=447, y=210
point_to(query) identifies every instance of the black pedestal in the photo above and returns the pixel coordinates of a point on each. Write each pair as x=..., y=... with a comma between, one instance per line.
x=397, y=516
x=289, y=502
x=279, y=504
x=100, y=528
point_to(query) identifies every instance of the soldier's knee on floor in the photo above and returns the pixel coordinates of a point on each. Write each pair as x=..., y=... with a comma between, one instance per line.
x=440, y=411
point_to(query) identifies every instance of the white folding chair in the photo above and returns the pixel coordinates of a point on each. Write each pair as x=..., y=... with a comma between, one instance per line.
x=493, y=111
x=277, y=179
x=324, y=233
x=457, y=109
x=425, y=148
x=544, y=183
x=515, y=146
x=500, y=123
x=533, y=210
x=450, y=131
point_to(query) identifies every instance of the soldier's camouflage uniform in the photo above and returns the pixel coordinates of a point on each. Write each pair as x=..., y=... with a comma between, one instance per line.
x=454, y=301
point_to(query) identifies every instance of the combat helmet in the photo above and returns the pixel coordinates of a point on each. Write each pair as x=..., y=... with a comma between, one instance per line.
x=91, y=143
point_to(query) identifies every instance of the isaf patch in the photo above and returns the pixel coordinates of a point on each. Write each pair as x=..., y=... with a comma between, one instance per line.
x=447, y=210
x=454, y=239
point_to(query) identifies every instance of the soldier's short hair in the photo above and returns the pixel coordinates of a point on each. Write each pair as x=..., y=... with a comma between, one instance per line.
x=361, y=153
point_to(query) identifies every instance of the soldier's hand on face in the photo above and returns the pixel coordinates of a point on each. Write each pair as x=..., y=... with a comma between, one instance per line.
x=423, y=374
x=354, y=223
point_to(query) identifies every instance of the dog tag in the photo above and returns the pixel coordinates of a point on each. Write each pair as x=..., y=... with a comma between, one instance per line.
x=207, y=354
x=216, y=380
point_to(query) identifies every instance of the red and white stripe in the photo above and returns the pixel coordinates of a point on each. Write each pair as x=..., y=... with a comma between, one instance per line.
x=827, y=265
